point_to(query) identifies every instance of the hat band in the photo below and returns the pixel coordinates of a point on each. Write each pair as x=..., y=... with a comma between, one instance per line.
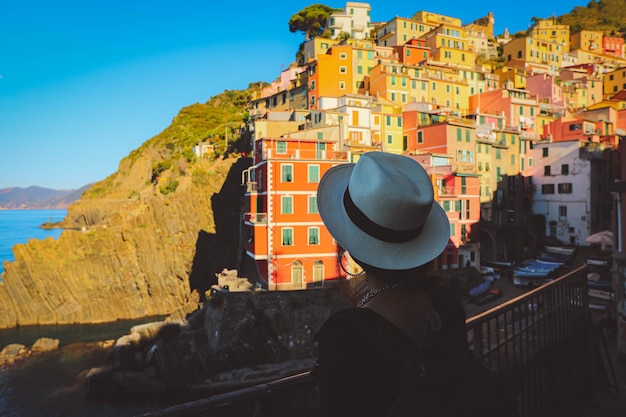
x=374, y=229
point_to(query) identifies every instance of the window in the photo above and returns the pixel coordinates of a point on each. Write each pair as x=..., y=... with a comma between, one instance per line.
x=313, y=204
x=547, y=189
x=389, y=139
x=498, y=153
x=562, y=212
x=420, y=137
x=546, y=170
x=459, y=134
x=342, y=85
x=565, y=188
x=281, y=147
x=286, y=205
x=565, y=169
x=544, y=152
x=286, y=173
x=287, y=236
x=513, y=159
x=343, y=55
x=314, y=235
x=343, y=69
x=314, y=173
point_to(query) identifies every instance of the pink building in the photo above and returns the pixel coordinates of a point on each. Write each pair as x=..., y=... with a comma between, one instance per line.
x=545, y=88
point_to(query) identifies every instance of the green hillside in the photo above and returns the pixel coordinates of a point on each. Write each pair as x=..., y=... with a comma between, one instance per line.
x=608, y=16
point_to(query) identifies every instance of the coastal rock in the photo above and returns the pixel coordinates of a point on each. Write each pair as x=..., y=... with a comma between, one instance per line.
x=12, y=352
x=45, y=344
x=129, y=251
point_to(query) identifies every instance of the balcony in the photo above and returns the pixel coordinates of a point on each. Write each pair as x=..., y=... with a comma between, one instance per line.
x=256, y=218
x=540, y=342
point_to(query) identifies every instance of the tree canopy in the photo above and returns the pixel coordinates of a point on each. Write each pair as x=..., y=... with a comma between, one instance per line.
x=311, y=20
x=608, y=16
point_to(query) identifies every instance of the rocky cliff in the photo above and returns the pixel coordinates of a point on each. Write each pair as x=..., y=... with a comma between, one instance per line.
x=146, y=241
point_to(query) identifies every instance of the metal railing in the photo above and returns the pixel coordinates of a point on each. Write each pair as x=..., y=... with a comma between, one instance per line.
x=540, y=343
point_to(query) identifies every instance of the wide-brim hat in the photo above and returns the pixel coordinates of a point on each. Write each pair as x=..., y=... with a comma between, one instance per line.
x=382, y=211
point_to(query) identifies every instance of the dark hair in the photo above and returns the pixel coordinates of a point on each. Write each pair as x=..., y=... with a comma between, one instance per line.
x=421, y=278
x=418, y=278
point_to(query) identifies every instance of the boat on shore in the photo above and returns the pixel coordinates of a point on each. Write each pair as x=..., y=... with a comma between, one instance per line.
x=480, y=289
x=560, y=250
x=498, y=264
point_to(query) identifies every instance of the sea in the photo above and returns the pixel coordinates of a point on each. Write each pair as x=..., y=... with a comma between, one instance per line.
x=18, y=226
x=52, y=384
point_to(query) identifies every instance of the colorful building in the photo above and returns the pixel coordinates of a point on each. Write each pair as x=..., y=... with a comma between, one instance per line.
x=448, y=43
x=285, y=236
x=331, y=75
x=587, y=40
x=614, y=81
x=354, y=21
x=549, y=30
x=398, y=31
x=458, y=195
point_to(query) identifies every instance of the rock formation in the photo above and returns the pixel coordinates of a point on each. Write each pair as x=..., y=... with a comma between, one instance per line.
x=129, y=254
x=236, y=339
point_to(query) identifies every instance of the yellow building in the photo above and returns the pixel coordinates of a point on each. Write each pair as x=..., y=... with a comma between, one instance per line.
x=514, y=71
x=588, y=57
x=399, y=30
x=535, y=50
x=436, y=19
x=449, y=44
x=614, y=81
x=364, y=52
x=387, y=127
x=314, y=47
x=391, y=82
x=548, y=30
x=587, y=40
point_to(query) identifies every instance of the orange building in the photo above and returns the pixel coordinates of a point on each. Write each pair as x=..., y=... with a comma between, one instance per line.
x=613, y=46
x=332, y=74
x=284, y=231
x=413, y=52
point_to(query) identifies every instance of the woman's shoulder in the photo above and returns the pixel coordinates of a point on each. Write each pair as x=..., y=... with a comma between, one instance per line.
x=360, y=325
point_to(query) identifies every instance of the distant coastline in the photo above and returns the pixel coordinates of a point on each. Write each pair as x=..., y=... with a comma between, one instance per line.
x=38, y=198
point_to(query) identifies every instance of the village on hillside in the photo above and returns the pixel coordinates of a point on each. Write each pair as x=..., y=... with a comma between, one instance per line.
x=520, y=134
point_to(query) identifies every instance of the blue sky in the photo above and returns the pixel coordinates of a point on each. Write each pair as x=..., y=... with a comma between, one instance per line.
x=84, y=82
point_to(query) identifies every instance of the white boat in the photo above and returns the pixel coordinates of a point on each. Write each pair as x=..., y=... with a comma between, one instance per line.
x=561, y=250
x=486, y=270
